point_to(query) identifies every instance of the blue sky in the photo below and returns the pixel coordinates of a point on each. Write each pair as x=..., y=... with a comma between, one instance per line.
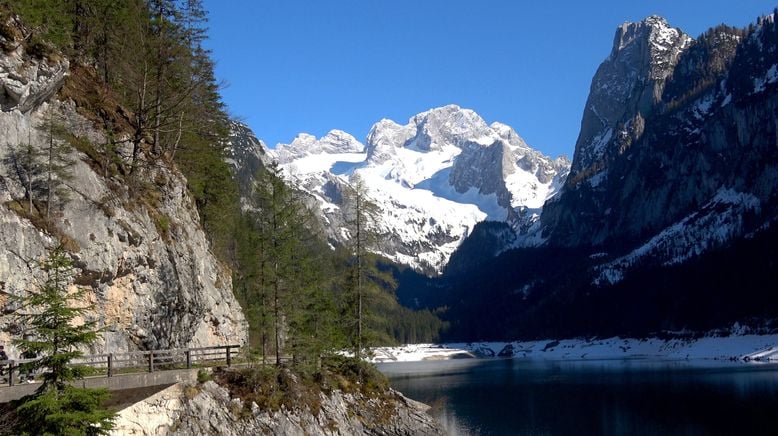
x=311, y=65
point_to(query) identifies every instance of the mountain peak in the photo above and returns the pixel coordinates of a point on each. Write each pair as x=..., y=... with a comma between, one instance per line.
x=434, y=179
x=342, y=142
x=305, y=144
x=625, y=89
x=654, y=30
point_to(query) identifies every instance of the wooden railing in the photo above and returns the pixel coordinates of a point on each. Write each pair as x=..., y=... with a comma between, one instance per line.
x=111, y=364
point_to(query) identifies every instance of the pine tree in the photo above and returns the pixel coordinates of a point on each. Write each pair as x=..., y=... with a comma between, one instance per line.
x=51, y=315
x=368, y=286
x=312, y=320
x=281, y=221
x=57, y=163
x=251, y=281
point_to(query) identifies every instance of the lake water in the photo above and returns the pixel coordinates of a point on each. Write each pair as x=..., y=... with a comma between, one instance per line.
x=531, y=397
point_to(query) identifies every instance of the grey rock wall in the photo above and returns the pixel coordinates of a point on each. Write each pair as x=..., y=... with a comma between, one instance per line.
x=149, y=270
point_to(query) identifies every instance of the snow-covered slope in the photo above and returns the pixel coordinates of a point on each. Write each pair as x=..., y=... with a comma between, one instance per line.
x=713, y=225
x=737, y=347
x=433, y=180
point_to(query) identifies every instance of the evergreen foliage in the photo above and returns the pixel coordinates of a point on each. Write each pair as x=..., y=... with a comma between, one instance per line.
x=56, y=162
x=54, y=316
x=139, y=71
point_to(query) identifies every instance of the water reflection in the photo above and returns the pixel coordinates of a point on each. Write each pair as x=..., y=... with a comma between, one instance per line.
x=514, y=396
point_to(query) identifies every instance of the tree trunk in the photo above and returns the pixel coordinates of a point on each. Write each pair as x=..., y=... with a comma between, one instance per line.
x=139, y=121
x=359, y=276
x=49, y=169
x=158, y=79
x=276, y=314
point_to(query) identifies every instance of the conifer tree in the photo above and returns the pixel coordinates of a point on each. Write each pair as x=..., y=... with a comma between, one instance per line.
x=24, y=161
x=367, y=285
x=282, y=221
x=312, y=318
x=52, y=315
x=57, y=163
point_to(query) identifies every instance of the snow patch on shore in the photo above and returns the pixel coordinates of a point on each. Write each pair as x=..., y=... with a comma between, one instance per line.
x=749, y=348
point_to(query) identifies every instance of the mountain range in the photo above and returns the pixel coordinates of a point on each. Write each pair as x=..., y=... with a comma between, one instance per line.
x=665, y=222
x=432, y=179
x=669, y=198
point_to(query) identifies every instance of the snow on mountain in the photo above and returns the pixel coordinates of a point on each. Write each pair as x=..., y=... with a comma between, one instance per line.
x=246, y=154
x=714, y=224
x=625, y=89
x=433, y=180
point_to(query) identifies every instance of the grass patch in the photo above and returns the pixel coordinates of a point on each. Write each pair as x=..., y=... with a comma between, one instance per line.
x=203, y=376
x=273, y=387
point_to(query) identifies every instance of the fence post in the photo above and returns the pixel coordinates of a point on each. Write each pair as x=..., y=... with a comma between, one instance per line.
x=188, y=358
x=110, y=364
x=229, y=358
x=151, y=361
x=11, y=373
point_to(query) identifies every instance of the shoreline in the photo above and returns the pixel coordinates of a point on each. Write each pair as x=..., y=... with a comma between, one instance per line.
x=743, y=348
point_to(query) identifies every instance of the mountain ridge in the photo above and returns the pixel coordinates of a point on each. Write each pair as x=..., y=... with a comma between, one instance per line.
x=433, y=178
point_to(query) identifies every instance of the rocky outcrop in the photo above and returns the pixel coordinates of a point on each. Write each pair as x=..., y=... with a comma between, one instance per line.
x=28, y=82
x=142, y=256
x=208, y=409
x=625, y=89
x=246, y=156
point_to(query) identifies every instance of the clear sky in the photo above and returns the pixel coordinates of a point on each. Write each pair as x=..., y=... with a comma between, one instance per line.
x=314, y=65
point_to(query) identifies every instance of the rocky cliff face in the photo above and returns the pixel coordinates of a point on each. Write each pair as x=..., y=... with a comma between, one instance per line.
x=433, y=180
x=208, y=409
x=624, y=91
x=676, y=132
x=144, y=259
x=247, y=155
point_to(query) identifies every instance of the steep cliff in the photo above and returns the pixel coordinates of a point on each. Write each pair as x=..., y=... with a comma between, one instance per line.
x=142, y=255
x=689, y=122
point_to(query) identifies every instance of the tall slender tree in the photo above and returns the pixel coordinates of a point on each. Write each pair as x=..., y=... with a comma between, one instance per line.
x=367, y=284
x=57, y=161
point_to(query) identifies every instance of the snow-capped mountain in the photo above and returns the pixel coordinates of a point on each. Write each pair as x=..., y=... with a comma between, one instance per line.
x=670, y=124
x=433, y=179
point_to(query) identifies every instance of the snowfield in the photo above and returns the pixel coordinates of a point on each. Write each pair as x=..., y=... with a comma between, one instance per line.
x=433, y=179
x=748, y=348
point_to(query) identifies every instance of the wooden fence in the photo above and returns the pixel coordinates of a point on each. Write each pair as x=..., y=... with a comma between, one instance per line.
x=108, y=365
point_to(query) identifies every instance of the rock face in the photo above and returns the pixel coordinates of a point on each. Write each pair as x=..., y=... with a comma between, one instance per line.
x=247, y=155
x=625, y=90
x=26, y=82
x=208, y=409
x=676, y=132
x=433, y=180
x=145, y=260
